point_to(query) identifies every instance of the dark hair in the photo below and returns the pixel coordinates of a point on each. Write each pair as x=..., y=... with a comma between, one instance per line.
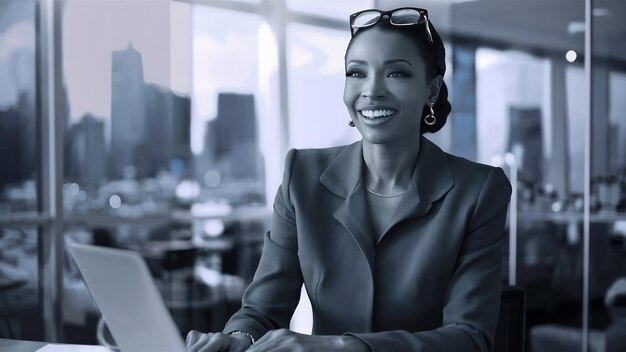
x=435, y=58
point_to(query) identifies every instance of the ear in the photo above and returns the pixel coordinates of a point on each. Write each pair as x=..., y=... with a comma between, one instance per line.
x=433, y=87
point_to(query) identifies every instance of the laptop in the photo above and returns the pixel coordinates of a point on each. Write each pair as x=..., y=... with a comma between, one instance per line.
x=132, y=307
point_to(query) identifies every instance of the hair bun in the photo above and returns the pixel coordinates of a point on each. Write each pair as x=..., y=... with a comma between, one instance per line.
x=442, y=106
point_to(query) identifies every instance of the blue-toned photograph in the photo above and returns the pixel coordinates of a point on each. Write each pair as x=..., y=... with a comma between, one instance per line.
x=312, y=175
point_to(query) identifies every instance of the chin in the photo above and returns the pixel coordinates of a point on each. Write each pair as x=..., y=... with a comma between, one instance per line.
x=375, y=137
x=389, y=137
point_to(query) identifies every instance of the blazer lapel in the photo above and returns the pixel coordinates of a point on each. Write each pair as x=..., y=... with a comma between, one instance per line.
x=432, y=178
x=343, y=177
x=354, y=216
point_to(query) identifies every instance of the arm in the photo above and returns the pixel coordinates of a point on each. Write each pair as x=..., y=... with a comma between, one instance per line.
x=472, y=300
x=274, y=293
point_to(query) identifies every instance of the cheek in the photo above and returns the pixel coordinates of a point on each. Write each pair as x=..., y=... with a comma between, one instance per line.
x=350, y=94
x=414, y=96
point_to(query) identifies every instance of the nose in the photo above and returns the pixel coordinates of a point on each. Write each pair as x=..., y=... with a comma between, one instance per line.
x=374, y=87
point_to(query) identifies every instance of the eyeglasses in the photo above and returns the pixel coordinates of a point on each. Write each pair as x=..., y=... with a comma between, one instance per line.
x=403, y=16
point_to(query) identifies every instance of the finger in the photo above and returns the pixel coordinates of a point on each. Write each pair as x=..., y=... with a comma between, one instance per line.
x=214, y=343
x=274, y=334
x=201, y=342
x=192, y=337
x=268, y=335
x=268, y=342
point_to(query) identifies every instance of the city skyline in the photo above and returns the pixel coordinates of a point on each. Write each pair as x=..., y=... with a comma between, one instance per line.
x=92, y=30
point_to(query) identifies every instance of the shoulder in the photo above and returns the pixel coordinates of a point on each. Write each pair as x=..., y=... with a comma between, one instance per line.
x=303, y=168
x=468, y=170
x=467, y=173
x=311, y=160
x=485, y=188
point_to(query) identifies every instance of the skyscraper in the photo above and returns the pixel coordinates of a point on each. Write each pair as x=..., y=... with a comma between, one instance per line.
x=232, y=138
x=128, y=112
x=169, y=117
x=149, y=123
x=28, y=133
x=181, y=130
x=87, y=156
x=18, y=140
x=10, y=151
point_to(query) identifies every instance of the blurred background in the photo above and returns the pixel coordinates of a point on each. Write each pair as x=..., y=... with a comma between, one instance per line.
x=161, y=126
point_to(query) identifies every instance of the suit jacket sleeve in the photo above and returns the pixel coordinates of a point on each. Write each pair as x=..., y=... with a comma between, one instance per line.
x=271, y=298
x=472, y=299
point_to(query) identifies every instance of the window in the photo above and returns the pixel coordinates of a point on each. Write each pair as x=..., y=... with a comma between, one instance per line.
x=318, y=116
x=121, y=102
x=18, y=121
x=235, y=122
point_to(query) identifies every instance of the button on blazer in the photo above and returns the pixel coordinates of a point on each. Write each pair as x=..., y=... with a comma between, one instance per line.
x=431, y=282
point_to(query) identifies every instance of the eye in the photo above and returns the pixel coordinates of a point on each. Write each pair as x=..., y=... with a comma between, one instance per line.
x=399, y=74
x=355, y=74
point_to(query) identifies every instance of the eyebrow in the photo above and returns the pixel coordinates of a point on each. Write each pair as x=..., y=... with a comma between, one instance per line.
x=386, y=62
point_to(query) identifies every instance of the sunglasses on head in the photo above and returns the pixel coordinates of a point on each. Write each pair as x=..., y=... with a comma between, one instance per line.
x=403, y=16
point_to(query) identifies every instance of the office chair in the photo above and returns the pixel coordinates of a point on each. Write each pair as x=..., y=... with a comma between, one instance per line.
x=511, y=329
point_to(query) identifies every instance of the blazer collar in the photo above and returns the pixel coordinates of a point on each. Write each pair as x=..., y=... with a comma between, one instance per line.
x=432, y=176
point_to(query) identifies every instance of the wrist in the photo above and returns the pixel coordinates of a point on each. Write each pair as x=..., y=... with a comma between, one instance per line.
x=242, y=335
x=350, y=343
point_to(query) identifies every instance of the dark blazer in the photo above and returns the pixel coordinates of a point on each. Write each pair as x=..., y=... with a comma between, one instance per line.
x=431, y=283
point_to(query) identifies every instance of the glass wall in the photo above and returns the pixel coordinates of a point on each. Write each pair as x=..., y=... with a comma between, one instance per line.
x=530, y=116
x=607, y=183
x=171, y=147
x=121, y=100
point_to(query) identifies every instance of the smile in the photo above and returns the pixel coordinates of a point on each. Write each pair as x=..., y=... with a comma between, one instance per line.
x=376, y=113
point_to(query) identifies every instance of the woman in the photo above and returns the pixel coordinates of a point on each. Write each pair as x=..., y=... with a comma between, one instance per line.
x=397, y=243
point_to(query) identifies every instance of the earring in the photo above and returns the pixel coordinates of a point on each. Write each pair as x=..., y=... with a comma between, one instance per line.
x=351, y=123
x=430, y=119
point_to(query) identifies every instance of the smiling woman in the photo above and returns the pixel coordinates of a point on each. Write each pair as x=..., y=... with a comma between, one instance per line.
x=396, y=242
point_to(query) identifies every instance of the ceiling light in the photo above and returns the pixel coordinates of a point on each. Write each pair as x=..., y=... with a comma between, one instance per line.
x=570, y=56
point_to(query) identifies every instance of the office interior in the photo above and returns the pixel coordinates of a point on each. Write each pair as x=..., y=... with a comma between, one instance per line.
x=161, y=126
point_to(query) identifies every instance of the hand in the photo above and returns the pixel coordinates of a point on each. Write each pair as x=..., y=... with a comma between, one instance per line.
x=215, y=342
x=289, y=341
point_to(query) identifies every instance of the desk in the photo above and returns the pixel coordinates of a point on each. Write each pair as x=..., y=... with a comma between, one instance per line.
x=32, y=346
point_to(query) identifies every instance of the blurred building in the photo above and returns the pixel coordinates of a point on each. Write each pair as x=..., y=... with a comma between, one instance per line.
x=526, y=142
x=170, y=118
x=128, y=112
x=87, y=152
x=17, y=144
x=10, y=146
x=149, y=124
x=232, y=140
x=17, y=122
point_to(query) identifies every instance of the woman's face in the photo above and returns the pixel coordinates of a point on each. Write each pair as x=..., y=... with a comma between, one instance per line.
x=386, y=86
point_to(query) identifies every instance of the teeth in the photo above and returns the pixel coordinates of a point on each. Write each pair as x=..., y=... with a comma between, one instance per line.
x=377, y=113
